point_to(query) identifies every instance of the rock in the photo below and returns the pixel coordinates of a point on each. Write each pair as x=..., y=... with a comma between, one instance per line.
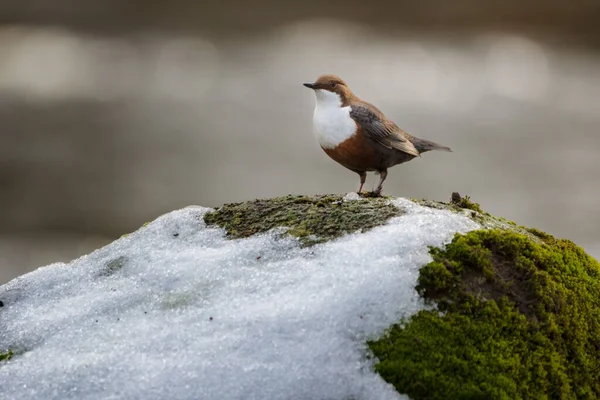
x=512, y=312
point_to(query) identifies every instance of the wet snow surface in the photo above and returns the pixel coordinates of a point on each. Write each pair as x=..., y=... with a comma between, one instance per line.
x=176, y=311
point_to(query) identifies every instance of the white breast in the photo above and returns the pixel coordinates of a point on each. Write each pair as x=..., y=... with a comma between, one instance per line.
x=332, y=122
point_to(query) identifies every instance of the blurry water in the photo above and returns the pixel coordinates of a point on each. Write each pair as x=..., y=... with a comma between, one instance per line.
x=102, y=134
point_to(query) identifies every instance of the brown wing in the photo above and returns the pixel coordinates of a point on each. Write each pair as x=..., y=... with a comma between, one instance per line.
x=383, y=131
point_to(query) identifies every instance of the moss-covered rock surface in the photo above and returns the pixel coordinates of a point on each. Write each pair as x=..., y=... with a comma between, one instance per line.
x=516, y=311
x=516, y=319
x=312, y=219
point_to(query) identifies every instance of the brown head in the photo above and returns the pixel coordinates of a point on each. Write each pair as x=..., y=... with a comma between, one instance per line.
x=333, y=84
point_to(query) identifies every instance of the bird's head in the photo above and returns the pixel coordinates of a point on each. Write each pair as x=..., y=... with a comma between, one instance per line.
x=331, y=90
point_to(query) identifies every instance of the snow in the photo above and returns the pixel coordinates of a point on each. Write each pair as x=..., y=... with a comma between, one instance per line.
x=193, y=315
x=352, y=196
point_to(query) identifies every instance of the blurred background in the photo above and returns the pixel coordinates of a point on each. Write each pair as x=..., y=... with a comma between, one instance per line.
x=113, y=112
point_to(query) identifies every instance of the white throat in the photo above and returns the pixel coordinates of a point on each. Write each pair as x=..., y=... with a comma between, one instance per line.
x=332, y=122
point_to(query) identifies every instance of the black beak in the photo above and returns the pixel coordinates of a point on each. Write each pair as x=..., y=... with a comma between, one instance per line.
x=310, y=85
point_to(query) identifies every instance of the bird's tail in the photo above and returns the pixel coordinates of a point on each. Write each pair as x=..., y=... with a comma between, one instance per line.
x=423, y=145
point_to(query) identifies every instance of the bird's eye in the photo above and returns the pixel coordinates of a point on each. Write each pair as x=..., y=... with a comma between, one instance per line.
x=333, y=84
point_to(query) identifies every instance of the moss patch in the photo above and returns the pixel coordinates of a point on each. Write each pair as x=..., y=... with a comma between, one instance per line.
x=518, y=319
x=464, y=202
x=6, y=356
x=312, y=219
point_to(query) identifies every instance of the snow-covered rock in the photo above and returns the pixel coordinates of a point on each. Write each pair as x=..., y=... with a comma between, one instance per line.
x=177, y=310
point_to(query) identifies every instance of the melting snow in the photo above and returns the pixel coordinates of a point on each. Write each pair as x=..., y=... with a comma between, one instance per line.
x=352, y=196
x=176, y=311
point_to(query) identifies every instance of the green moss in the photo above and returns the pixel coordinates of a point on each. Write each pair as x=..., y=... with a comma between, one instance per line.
x=6, y=356
x=517, y=319
x=465, y=202
x=312, y=219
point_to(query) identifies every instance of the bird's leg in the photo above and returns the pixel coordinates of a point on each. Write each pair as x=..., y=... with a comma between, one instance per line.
x=363, y=178
x=382, y=175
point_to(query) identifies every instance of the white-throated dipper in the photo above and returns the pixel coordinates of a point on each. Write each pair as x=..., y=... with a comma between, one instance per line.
x=357, y=135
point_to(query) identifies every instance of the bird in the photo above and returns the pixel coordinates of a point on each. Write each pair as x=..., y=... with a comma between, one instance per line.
x=357, y=135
